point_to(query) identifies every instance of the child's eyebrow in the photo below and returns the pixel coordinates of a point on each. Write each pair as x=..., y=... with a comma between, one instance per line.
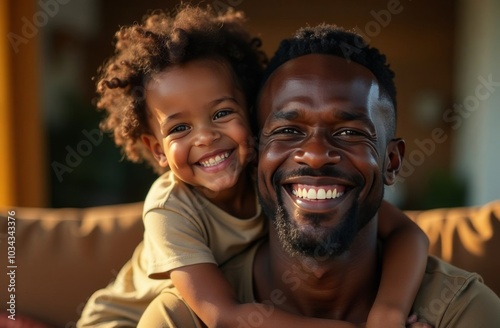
x=222, y=99
x=212, y=103
x=170, y=118
x=164, y=123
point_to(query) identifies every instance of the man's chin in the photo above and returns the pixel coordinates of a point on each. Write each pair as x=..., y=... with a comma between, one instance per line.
x=311, y=238
x=317, y=246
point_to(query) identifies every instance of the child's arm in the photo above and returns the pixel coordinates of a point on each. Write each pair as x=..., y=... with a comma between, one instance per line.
x=212, y=298
x=404, y=261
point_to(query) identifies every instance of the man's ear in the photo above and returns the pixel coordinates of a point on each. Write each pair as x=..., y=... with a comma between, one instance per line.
x=156, y=149
x=395, y=152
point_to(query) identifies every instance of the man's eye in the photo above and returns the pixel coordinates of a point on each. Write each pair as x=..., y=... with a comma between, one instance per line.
x=350, y=133
x=286, y=131
x=221, y=114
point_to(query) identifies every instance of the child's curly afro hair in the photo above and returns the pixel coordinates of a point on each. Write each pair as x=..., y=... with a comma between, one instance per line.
x=168, y=39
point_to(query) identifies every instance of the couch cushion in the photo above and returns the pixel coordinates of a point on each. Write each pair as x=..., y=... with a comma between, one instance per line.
x=64, y=255
x=85, y=247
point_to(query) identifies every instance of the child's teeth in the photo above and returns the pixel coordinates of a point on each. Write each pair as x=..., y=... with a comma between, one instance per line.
x=215, y=160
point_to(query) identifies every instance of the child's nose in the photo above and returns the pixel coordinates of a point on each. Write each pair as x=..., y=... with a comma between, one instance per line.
x=205, y=136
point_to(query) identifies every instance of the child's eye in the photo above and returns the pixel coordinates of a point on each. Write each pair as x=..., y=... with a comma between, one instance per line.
x=179, y=128
x=222, y=113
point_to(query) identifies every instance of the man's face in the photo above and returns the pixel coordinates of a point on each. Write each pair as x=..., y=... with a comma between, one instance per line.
x=323, y=152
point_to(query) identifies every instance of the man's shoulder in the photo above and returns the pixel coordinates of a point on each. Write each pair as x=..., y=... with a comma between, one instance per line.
x=441, y=270
x=452, y=297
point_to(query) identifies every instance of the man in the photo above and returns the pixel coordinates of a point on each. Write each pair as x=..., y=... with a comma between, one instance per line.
x=327, y=114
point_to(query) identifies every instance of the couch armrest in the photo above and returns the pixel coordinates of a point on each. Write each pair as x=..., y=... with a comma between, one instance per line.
x=64, y=255
x=467, y=237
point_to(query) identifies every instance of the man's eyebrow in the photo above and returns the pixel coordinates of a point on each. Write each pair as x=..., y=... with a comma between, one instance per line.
x=340, y=115
x=354, y=116
x=285, y=115
x=350, y=115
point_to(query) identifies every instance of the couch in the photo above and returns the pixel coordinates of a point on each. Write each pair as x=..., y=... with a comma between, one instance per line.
x=62, y=255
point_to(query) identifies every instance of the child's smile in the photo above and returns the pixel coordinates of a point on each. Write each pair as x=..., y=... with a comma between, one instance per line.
x=210, y=161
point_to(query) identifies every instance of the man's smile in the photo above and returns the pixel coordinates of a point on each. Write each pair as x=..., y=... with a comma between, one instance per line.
x=317, y=192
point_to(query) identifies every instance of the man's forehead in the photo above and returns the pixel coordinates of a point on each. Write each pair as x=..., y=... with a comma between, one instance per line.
x=317, y=77
x=340, y=64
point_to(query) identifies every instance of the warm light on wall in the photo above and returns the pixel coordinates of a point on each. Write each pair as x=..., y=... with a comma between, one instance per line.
x=7, y=185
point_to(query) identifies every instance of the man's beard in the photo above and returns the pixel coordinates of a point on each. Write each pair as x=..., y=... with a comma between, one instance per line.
x=329, y=242
x=323, y=241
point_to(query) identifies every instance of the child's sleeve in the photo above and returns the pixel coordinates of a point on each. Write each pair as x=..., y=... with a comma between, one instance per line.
x=172, y=241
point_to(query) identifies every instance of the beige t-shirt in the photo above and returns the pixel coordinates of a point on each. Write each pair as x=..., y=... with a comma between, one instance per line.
x=183, y=228
x=448, y=296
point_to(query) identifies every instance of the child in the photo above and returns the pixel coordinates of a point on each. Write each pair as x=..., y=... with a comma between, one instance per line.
x=178, y=92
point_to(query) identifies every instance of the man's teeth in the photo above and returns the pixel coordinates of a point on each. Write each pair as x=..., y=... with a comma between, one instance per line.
x=317, y=194
x=212, y=161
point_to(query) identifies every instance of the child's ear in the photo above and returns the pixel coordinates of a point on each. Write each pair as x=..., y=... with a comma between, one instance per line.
x=393, y=160
x=156, y=149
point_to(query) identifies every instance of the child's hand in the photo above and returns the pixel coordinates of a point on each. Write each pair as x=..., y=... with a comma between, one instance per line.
x=412, y=322
x=385, y=316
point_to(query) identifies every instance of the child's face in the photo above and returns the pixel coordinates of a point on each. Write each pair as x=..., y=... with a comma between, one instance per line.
x=200, y=124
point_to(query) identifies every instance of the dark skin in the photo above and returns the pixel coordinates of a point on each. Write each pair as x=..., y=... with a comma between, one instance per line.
x=320, y=113
x=188, y=130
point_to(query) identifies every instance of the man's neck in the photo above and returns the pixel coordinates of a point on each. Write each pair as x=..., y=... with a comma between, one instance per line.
x=341, y=288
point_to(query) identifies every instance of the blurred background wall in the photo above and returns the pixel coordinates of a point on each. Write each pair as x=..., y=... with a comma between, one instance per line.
x=444, y=54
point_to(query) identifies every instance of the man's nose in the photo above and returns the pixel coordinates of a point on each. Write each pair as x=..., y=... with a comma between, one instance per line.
x=206, y=135
x=316, y=152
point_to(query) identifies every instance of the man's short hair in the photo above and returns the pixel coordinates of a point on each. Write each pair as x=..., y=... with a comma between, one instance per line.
x=337, y=41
